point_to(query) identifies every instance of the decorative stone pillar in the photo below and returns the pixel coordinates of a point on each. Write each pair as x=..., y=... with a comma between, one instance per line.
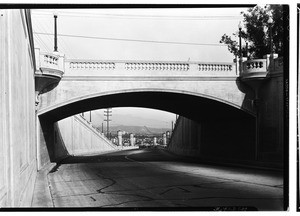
x=168, y=136
x=120, y=143
x=164, y=139
x=132, y=140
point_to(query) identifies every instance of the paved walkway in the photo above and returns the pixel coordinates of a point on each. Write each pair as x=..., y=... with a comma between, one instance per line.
x=153, y=178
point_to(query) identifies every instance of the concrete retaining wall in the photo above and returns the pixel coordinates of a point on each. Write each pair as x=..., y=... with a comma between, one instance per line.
x=234, y=141
x=214, y=141
x=17, y=111
x=76, y=136
x=271, y=119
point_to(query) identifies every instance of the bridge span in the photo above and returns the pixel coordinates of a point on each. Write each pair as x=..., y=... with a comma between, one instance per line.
x=229, y=112
x=226, y=99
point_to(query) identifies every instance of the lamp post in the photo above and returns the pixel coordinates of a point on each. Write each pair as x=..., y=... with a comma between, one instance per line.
x=55, y=32
x=240, y=39
x=240, y=48
x=270, y=22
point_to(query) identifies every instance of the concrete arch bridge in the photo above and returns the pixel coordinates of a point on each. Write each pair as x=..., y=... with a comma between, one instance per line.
x=220, y=100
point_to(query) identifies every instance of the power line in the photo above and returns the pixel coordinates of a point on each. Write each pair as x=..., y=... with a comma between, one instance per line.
x=131, y=40
x=47, y=40
x=123, y=16
x=41, y=43
x=61, y=42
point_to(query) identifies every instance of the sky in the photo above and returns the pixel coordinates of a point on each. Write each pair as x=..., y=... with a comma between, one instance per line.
x=198, y=30
x=133, y=116
x=175, y=34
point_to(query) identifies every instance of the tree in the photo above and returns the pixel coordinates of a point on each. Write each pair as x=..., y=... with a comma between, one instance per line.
x=257, y=32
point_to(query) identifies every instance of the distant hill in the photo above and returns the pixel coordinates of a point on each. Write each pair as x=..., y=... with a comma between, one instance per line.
x=137, y=129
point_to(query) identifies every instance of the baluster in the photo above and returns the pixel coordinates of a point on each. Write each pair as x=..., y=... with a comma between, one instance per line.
x=160, y=66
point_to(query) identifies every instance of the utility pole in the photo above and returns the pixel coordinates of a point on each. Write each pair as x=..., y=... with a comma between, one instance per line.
x=107, y=114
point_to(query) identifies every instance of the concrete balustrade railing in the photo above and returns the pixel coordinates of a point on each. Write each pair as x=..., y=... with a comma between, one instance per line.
x=256, y=65
x=262, y=68
x=49, y=63
x=204, y=68
x=50, y=59
x=157, y=66
x=93, y=65
x=216, y=67
x=253, y=69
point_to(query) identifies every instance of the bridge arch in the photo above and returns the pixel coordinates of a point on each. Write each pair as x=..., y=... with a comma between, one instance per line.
x=192, y=105
x=222, y=123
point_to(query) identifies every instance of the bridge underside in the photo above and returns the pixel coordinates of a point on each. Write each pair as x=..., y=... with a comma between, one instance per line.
x=190, y=106
x=221, y=124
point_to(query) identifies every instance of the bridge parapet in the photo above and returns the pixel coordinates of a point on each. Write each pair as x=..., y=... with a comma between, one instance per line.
x=262, y=68
x=256, y=68
x=76, y=67
x=48, y=73
x=49, y=64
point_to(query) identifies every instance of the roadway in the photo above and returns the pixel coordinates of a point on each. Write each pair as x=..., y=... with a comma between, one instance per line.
x=153, y=178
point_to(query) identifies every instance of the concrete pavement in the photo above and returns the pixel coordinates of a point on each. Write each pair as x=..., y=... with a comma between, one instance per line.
x=147, y=178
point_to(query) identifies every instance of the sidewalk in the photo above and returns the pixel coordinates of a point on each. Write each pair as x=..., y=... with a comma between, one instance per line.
x=41, y=194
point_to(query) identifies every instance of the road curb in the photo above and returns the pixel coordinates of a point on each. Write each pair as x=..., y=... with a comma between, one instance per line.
x=42, y=196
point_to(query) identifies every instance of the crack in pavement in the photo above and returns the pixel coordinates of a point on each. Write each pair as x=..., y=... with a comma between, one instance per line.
x=179, y=185
x=182, y=189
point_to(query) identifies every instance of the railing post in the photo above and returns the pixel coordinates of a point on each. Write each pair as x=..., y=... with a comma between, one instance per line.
x=37, y=58
x=270, y=61
x=61, y=62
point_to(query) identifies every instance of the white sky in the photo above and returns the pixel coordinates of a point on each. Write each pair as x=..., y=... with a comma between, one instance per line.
x=134, y=116
x=201, y=28
x=196, y=26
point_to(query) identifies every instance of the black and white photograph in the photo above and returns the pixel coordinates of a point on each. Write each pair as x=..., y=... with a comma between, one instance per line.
x=145, y=107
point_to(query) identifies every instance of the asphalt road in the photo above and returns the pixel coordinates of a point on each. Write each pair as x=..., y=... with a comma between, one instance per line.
x=152, y=178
